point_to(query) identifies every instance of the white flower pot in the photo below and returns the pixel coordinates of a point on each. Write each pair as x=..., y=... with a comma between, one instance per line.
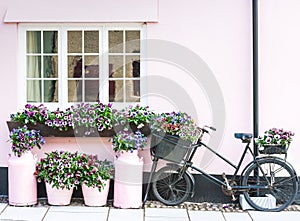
x=58, y=197
x=93, y=197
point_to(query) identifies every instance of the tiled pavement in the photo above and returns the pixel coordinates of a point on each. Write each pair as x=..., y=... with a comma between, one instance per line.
x=74, y=213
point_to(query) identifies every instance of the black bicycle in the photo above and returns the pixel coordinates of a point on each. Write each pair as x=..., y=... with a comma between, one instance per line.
x=268, y=183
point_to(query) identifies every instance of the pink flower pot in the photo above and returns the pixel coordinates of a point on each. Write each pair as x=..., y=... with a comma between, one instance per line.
x=22, y=185
x=58, y=197
x=128, y=180
x=93, y=197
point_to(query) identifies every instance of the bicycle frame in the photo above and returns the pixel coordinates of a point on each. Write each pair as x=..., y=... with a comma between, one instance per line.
x=188, y=163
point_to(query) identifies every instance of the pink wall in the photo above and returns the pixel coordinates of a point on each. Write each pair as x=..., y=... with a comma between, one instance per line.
x=9, y=91
x=219, y=34
x=279, y=69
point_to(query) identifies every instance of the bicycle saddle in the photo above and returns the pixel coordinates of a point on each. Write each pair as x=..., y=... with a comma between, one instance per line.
x=243, y=136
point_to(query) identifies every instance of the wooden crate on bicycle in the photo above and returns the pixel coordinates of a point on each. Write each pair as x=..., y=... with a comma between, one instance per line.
x=169, y=147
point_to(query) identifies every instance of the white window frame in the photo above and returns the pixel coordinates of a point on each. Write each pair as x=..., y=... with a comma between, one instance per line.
x=63, y=60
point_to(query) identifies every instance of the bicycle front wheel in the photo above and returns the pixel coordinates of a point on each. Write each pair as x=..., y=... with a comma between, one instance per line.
x=272, y=183
x=170, y=186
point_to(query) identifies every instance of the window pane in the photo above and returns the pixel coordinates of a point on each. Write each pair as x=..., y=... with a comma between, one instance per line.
x=132, y=66
x=50, y=91
x=132, y=90
x=74, y=66
x=91, y=66
x=34, y=91
x=50, y=67
x=33, y=41
x=91, y=90
x=132, y=41
x=91, y=41
x=74, y=90
x=74, y=41
x=33, y=66
x=50, y=41
x=116, y=91
x=115, y=41
x=116, y=66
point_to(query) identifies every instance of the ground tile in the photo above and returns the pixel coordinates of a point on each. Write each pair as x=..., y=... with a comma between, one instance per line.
x=2, y=206
x=75, y=216
x=274, y=216
x=166, y=212
x=80, y=209
x=206, y=215
x=23, y=213
x=126, y=214
x=237, y=216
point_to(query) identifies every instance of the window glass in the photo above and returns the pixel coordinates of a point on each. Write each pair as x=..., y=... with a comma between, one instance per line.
x=74, y=41
x=91, y=41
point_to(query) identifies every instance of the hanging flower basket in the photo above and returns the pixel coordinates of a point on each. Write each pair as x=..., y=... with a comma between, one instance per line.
x=169, y=147
x=273, y=149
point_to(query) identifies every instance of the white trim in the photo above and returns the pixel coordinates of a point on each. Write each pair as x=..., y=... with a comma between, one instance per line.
x=62, y=53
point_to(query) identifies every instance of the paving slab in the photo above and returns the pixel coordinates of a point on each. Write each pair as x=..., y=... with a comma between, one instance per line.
x=231, y=216
x=76, y=213
x=126, y=214
x=166, y=212
x=23, y=213
x=75, y=216
x=2, y=206
x=206, y=215
x=274, y=216
x=79, y=209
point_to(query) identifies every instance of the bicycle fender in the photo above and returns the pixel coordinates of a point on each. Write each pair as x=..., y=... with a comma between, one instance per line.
x=189, y=175
x=262, y=158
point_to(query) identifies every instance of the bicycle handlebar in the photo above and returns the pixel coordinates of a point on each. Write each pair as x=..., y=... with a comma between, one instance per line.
x=209, y=127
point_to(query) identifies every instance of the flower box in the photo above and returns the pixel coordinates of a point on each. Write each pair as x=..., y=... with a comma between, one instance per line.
x=273, y=149
x=44, y=129
x=51, y=132
x=169, y=147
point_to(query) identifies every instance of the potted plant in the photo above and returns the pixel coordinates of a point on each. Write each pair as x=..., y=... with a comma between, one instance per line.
x=95, y=178
x=31, y=115
x=274, y=141
x=134, y=118
x=128, y=142
x=128, y=169
x=172, y=134
x=59, y=171
x=21, y=166
x=91, y=118
x=24, y=140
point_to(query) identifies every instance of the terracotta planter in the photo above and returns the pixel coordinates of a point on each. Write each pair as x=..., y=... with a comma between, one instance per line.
x=58, y=197
x=22, y=186
x=93, y=197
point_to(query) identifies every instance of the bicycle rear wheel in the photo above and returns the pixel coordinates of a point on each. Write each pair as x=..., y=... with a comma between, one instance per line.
x=170, y=186
x=271, y=178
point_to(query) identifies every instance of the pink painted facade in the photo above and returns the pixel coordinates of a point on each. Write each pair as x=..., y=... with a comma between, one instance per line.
x=218, y=33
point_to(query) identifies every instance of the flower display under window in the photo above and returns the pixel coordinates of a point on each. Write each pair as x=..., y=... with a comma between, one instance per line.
x=61, y=120
x=180, y=124
x=128, y=141
x=24, y=140
x=59, y=169
x=275, y=136
x=31, y=114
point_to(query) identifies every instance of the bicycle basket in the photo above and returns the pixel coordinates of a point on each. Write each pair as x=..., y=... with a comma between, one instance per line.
x=274, y=149
x=169, y=147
